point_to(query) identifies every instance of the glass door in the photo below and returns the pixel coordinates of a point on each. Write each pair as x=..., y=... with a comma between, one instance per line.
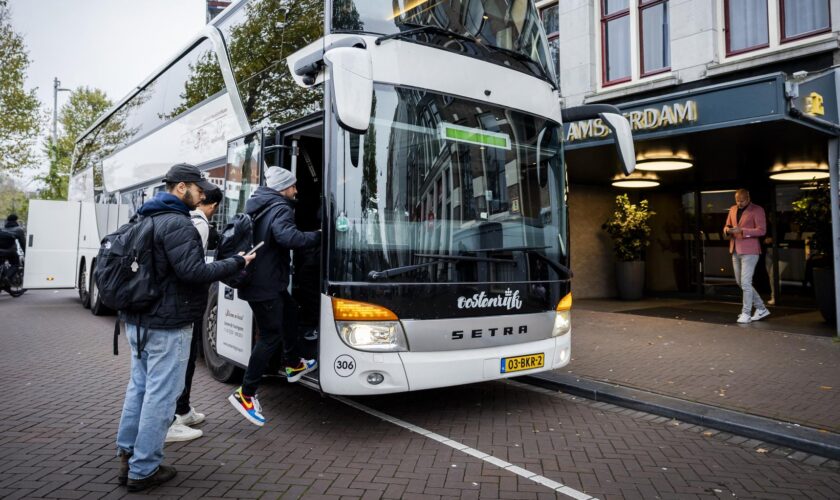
x=718, y=277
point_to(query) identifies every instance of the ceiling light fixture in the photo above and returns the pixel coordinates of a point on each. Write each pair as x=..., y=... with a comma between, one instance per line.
x=663, y=161
x=636, y=180
x=798, y=171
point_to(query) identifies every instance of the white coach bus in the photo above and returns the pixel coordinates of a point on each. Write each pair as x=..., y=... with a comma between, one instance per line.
x=427, y=142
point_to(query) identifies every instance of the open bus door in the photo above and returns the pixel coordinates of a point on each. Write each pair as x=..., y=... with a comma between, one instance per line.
x=229, y=325
x=52, y=244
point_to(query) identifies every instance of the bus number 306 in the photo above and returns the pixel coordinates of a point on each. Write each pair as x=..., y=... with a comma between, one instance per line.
x=345, y=365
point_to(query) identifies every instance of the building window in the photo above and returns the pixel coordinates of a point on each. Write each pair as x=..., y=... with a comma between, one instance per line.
x=615, y=35
x=653, y=36
x=802, y=18
x=746, y=25
x=550, y=16
x=635, y=39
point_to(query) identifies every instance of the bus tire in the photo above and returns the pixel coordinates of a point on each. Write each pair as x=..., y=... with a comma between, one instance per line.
x=220, y=369
x=84, y=294
x=97, y=308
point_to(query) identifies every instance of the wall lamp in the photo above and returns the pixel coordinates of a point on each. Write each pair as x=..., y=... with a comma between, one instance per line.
x=799, y=171
x=636, y=180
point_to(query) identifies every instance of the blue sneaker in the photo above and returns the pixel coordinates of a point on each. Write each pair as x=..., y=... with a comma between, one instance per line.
x=294, y=373
x=248, y=407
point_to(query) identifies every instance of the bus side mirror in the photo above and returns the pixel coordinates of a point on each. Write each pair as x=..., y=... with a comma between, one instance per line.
x=616, y=122
x=623, y=136
x=351, y=83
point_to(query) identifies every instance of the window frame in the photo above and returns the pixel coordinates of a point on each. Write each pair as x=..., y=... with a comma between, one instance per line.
x=727, y=30
x=783, y=39
x=641, y=6
x=542, y=8
x=605, y=19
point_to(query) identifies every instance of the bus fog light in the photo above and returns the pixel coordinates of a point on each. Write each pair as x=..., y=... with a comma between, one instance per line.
x=373, y=335
x=564, y=355
x=562, y=323
x=375, y=378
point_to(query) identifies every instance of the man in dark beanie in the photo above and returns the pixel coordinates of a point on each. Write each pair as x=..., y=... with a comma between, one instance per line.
x=267, y=293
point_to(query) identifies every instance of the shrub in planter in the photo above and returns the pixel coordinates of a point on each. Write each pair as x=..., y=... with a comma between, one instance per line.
x=812, y=211
x=630, y=232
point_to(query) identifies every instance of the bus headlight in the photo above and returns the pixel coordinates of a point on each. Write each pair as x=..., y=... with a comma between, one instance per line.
x=563, y=318
x=562, y=323
x=373, y=335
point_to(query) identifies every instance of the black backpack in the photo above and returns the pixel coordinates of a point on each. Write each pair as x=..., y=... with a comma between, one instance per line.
x=125, y=268
x=238, y=236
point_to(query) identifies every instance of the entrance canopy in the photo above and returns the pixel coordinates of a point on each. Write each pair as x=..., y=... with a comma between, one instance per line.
x=727, y=131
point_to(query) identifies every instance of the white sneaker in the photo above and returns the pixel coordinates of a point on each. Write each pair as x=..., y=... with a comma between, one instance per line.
x=760, y=314
x=178, y=432
x=744, y=319
x=191, y=418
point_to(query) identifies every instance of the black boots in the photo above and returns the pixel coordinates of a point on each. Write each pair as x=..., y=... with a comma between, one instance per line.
x=162, y=475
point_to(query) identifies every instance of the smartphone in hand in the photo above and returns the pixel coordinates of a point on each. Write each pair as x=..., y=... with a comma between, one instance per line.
x=255, y=248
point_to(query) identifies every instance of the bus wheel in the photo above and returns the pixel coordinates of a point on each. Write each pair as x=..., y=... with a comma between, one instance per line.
x=221, y=370
x=96, y=305
x=84, y=295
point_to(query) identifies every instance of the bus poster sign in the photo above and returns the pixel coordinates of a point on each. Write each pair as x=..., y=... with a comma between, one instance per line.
x=233, y=326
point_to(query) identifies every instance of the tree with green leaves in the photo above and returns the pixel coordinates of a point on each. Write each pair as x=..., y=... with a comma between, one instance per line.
x=12, y=198
x=20, y=118
x=269, y=32
x=77, y=115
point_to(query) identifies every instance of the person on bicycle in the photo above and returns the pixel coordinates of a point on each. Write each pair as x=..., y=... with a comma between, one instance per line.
x=11, y=236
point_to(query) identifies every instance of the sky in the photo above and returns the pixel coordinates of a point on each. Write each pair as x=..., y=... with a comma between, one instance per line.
x=112, y=45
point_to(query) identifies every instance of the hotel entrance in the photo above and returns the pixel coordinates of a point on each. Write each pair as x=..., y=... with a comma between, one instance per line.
x=694, y=149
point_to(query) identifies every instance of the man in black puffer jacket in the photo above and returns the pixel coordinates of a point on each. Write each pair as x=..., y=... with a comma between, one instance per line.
x=160, y=339
x=267, y=294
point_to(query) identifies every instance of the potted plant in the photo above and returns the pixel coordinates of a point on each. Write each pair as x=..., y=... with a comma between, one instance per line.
x=630, y=232
x=812, y=211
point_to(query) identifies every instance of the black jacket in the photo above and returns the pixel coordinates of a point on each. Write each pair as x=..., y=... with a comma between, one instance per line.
x=180, y=265
x=277, y=228
x=20, y=235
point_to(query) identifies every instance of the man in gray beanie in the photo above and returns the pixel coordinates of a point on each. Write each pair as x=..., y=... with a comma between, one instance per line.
x=266, y=293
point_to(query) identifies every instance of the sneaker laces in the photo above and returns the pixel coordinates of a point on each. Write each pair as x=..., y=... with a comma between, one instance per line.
x=256, y=403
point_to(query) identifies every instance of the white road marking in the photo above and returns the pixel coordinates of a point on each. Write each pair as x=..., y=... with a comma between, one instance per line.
x=519, y=471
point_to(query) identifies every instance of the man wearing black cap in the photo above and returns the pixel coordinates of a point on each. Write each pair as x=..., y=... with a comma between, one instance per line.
x=160, y=348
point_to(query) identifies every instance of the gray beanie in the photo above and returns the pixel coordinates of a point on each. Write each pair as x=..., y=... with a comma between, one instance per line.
x=279, y=178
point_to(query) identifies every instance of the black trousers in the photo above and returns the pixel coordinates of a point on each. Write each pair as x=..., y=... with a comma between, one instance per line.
x=182, y=407
x=277, y=322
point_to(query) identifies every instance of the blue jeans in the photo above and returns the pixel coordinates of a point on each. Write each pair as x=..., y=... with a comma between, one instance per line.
x=157, y=378
x=744, y=266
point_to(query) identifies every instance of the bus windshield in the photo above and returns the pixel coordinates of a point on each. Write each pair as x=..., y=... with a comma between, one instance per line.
x=507, y=32
x=446, y=190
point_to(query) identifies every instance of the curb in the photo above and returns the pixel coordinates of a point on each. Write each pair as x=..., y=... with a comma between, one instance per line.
x=807, y=439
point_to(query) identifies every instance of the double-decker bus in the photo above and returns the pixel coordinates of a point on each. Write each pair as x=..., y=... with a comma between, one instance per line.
x=426, y=139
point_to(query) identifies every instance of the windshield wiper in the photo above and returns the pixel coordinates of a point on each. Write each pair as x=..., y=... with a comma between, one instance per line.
x=438, y=259
x=424, y=29
x=519, y=56
x=558, y=267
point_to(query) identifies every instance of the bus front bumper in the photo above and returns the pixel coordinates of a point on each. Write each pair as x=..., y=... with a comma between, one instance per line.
x=382, y=373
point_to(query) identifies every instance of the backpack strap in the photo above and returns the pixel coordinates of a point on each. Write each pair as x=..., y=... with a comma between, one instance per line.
x=116, y=334
x=265, y=211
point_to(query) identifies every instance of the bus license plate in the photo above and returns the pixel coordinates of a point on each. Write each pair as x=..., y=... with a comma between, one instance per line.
x=526, y=362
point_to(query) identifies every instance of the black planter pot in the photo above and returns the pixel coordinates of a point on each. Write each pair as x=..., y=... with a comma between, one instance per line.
x=824, y=292
x=630, y=279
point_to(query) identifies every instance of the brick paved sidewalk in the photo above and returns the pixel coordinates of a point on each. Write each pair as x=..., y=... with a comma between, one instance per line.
x=788, y=377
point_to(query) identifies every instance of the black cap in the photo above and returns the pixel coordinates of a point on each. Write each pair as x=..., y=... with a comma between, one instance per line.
x=184, y=172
